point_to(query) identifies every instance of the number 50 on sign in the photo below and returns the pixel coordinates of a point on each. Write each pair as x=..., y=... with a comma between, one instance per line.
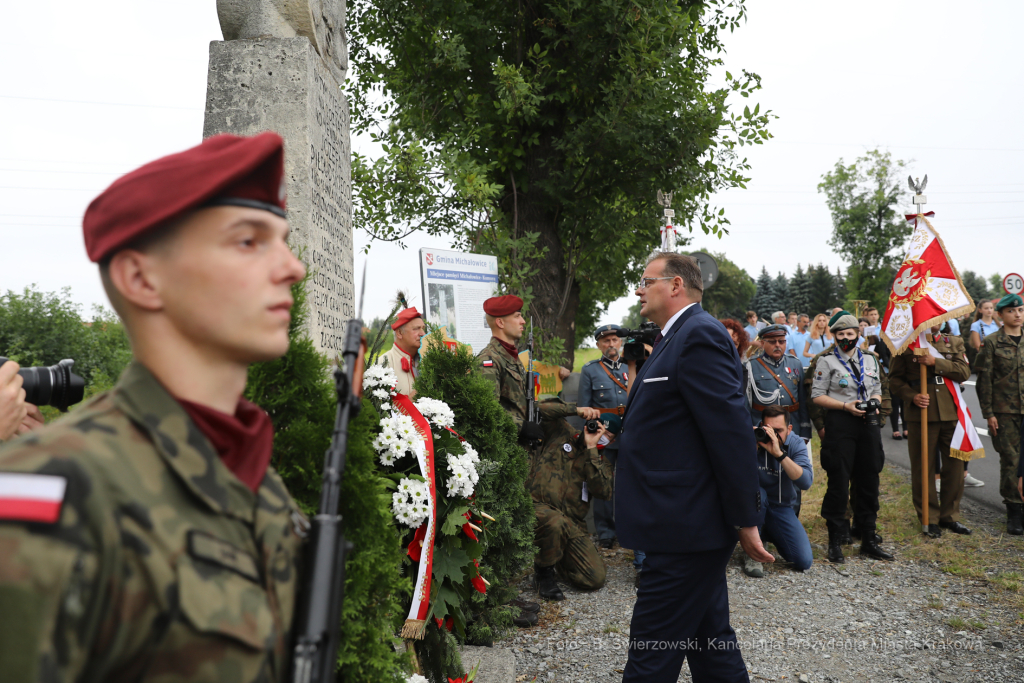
x=1013, y=283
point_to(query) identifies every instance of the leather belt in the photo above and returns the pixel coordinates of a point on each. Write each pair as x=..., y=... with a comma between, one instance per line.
x=620, y=411
x=789, y=409
x=934, y=380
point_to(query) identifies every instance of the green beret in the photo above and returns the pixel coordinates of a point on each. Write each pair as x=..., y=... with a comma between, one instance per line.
x=612, y=422
x=1009, y=301
x=837, y=316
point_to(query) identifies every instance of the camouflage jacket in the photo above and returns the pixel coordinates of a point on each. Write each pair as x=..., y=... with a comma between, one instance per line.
x=559, y=469
x=905, y=379
x=1000, y=366
x=160, y=565
x=508, y=376
x=817, y=413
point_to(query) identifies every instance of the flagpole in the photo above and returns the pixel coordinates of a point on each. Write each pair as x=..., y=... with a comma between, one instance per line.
x=926, y=490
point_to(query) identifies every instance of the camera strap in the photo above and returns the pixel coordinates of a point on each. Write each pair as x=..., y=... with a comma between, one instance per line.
x=611, y=376
x=777, y=379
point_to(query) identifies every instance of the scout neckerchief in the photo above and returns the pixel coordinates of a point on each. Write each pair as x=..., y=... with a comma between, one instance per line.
x=861, y=391
x=611, y=376
x=777, y=379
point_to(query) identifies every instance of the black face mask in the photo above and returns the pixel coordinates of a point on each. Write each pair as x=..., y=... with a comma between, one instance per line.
x=846, y=345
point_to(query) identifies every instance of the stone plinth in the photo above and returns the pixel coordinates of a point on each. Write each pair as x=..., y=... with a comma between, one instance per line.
x=283, y=85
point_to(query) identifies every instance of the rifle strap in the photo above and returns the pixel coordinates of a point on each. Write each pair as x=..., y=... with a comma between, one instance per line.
x=612, y=377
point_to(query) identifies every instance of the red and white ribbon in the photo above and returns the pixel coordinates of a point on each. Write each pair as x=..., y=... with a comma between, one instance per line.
x=966, y=443
x=416, y=620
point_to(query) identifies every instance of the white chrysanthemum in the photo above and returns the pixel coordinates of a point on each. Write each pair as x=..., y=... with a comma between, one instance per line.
x=379, y=376
x=407, y=509
x=438, y=413
x=463, y=476
x=416, y=678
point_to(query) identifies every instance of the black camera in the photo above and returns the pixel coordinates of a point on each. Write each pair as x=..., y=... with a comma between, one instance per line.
x=53, y=386
x=593, y=426
x=760, y=435
x=633, y=347
x=870, y=408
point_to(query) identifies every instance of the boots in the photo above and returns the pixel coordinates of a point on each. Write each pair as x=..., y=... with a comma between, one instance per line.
x=547, y=587
x=871, y=548
x=1015, y=518
x=835, y=546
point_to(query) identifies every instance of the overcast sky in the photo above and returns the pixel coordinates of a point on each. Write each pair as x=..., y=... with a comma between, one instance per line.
x=92, y=90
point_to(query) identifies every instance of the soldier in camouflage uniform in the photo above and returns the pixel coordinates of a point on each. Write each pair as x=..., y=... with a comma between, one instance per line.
x=499, y=363
x=564, y=474
x=1000, y=366
x=144, y=537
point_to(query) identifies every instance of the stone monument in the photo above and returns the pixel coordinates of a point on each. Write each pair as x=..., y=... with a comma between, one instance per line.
x=279, y=68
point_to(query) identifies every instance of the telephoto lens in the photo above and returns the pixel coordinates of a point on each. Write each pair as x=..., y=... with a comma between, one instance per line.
x=53, y=386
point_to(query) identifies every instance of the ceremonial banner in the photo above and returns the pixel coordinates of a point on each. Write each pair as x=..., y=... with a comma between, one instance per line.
x=424, y=537
x=966, y=442
x=927, y=290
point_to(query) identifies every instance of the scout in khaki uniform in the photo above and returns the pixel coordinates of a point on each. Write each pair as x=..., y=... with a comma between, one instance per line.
x=404, y=356
x=564, y=475
x=144, y=537
x=905, y=382
x=1000, y=366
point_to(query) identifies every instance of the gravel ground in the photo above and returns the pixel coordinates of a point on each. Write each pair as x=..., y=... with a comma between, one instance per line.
x=861, y=621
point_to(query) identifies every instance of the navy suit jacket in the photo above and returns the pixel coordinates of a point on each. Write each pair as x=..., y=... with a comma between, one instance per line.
x=686, y=475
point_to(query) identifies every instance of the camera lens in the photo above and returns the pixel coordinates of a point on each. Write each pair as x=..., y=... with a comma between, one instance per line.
x=760, y=435
x=53, y=386
x=592, y=426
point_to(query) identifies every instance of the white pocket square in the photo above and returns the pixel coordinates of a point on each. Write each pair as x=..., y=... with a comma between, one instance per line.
x=655, y=379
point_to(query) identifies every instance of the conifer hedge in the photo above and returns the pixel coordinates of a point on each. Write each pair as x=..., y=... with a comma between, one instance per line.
x=451, y=376
x=297, y=391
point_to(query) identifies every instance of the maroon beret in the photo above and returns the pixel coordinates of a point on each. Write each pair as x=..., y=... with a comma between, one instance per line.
x=222, y=170
x=499, y=306
x=405, y=316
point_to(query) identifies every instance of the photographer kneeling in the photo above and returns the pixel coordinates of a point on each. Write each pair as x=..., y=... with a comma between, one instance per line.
x=784, y=467
x=847, y=384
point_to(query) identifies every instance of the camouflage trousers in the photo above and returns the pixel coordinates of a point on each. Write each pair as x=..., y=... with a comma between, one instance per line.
x=565, y=544
x=1007, y=443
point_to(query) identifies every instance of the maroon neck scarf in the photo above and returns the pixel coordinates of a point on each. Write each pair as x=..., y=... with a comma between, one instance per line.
x=508, y=347
x=244, y=441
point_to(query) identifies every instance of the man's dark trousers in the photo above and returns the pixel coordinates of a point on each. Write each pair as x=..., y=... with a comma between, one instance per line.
x=670, y=625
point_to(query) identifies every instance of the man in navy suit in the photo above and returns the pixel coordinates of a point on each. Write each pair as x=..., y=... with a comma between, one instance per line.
x=686, y=483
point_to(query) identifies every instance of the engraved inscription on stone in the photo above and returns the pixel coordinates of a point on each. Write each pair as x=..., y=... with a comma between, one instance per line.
x=330, y=249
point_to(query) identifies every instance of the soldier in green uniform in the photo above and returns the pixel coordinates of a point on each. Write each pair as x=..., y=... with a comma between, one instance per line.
x=905, y=381
x=566, y=472
x=1000, y=366
x=499, y=362
x=144, y=537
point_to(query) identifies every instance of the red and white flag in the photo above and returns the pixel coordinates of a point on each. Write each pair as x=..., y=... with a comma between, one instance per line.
x=31, y=497
x=927, y=290
x=966, y=442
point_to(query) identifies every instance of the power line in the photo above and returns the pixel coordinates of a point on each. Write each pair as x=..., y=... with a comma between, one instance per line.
x=102, y=104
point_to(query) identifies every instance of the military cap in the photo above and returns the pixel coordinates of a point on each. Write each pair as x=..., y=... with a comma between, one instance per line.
x=605, y=330
x=612, y=422
x=222, y=170
x=405, y=316
x=1010, y=301
x=500, y=306
x=773, y=330
x=843, y=320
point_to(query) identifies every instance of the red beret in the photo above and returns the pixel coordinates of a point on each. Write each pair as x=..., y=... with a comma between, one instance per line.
x=405, y=316
x=222, y=170
x=499, y=306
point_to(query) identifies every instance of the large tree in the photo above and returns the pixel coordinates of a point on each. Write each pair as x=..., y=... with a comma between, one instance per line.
x=540, y=131
x=780, y=288
x=868, y=228
x=976, y=285
x=764, y=303
x=729, y=296
x=799, y=290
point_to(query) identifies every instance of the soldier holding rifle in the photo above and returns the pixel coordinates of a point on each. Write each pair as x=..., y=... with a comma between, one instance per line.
x=145, y=536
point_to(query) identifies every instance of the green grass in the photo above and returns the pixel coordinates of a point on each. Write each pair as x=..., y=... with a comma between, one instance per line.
x=584, y=356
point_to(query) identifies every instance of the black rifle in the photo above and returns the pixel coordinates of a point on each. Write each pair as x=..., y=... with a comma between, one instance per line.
x=319, y=612
x=532, y=409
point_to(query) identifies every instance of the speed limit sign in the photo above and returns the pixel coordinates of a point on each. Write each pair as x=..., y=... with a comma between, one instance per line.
x=1013, y=283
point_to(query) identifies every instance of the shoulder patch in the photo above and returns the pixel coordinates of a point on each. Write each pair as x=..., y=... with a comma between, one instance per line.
x=31, y=497
x=488, y=363
x=567, y=448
